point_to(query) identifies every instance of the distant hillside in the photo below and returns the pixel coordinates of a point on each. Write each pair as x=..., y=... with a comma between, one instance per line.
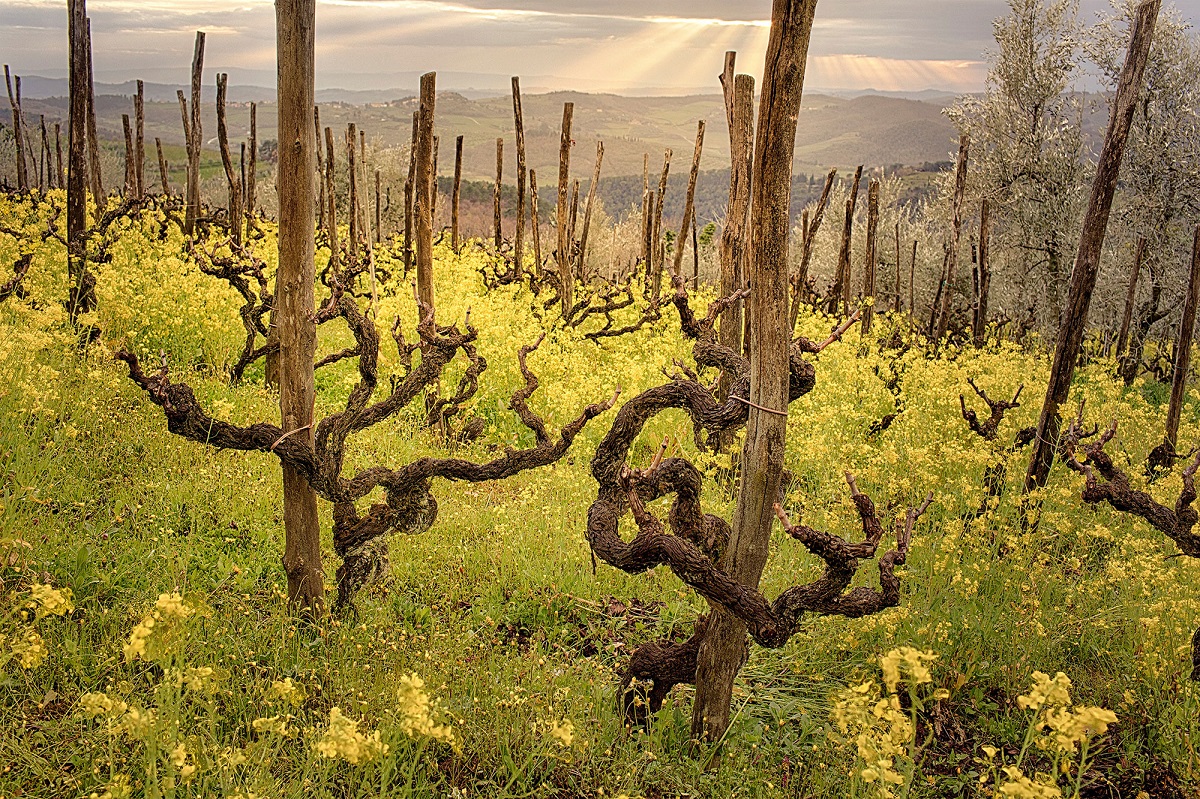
x=874, y=130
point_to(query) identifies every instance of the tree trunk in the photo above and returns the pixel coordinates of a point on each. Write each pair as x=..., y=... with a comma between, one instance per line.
x=519, y=123
x=868, y=313
x=195, y=140
x=1130, y=296
x=689, y=199
x=296, y=34
x=1091, y=243
x=960, y=188
x=723, y=649
x=567, y=280
x=423, y=203
x=985, y=274
x=81, y=296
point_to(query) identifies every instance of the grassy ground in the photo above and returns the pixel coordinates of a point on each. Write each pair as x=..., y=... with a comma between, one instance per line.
x=519, y=643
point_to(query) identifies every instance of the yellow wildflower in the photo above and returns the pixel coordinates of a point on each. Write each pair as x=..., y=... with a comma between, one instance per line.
x=273, y=724
x=50, y=601
x=101, y=704
x=29, y=650
x=343, y=741
x=563, y=733
x=907, y=660
x=1046, y=691
x=1021, y=787
x=417, y=710
x=288, y=691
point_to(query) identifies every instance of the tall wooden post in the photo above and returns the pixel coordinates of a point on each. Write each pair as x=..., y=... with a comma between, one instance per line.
x=587, y=213
x=841, y=286
x=352, y=207
x=1091, y=243
x=567, y=289
x=18, y=137
x=1183, y=349
x=960, y=187
x=378, y=205
x=522, y=170
x=139, y=149
x=93, y=137
x=871, y=258
x=423, y=203
x=497, y=217
x=58, y=159
x=534, y=224
x=689, y=200
x=162, y=168
x=1130, y=296
x=810, y=238
x=80, y=294
x=985, y=274
x=194, y=139
x=734, y=238
x=658, y=254
x=456, y=194
x=232, y=179
x=295, y=22
x=721, y=652
x=410, y=186
x=130, y=173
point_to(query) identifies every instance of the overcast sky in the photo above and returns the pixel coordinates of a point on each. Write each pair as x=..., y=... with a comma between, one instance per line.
x=606, y=45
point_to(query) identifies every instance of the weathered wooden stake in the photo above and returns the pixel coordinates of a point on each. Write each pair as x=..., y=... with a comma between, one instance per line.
x=130, y=172
x=1130, y=296
x=93, y=138
x=533, y=223
x=984, y=270
x=58, y=159
x=960, y=188
x=423, y=203
x=1183, y=350
x=734, y=239
x=840, y=295
x=456, y=194
x=232, y=179
x=497, y=216
x=522, y=170
x=18, y=134
x=139, y=149
x=800, y=282
x=659, y=244
x=722, y=649
x=587, y=214
x=410, y=186
x=690, y=199
x=563, y=254
x=195, y=139
x=162, y=168
x=871, y=257
x=296, y=34
x=81, y=296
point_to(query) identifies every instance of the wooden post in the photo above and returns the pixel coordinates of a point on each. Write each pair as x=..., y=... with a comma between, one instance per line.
x=162, y=167
x=433, y=184
x=352, y=209
x=81, y=296
x=646, y=216
x=563, y=255
x=721, y=651
x=1183, y=349
x=1130, y=296
x=410, y=186
x=571, y=227
x=1091, y=243
x=810, y=237
x=232, y=179
x=456, y=194
x=985, y=274
x=689, y=200
x=869, y=262
x=734, y=238
x=296, y=34
x=58, y=159
x=18, y=138
x=252, y=170
x=423, y=203
x=912, y=281
x=321, y=203
x=896, y=305
x=658, y=254
x=648, y=238
x=47, y=157
x=522, y=170
x=139, y=149
x=378, y=205
x=587, y=214
x=533, y=223
x=960, y=188
x=194, y=140
x=497, y=219
x=130, y=172
x=840, y=293
x=93, y=138
x=331, y=227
